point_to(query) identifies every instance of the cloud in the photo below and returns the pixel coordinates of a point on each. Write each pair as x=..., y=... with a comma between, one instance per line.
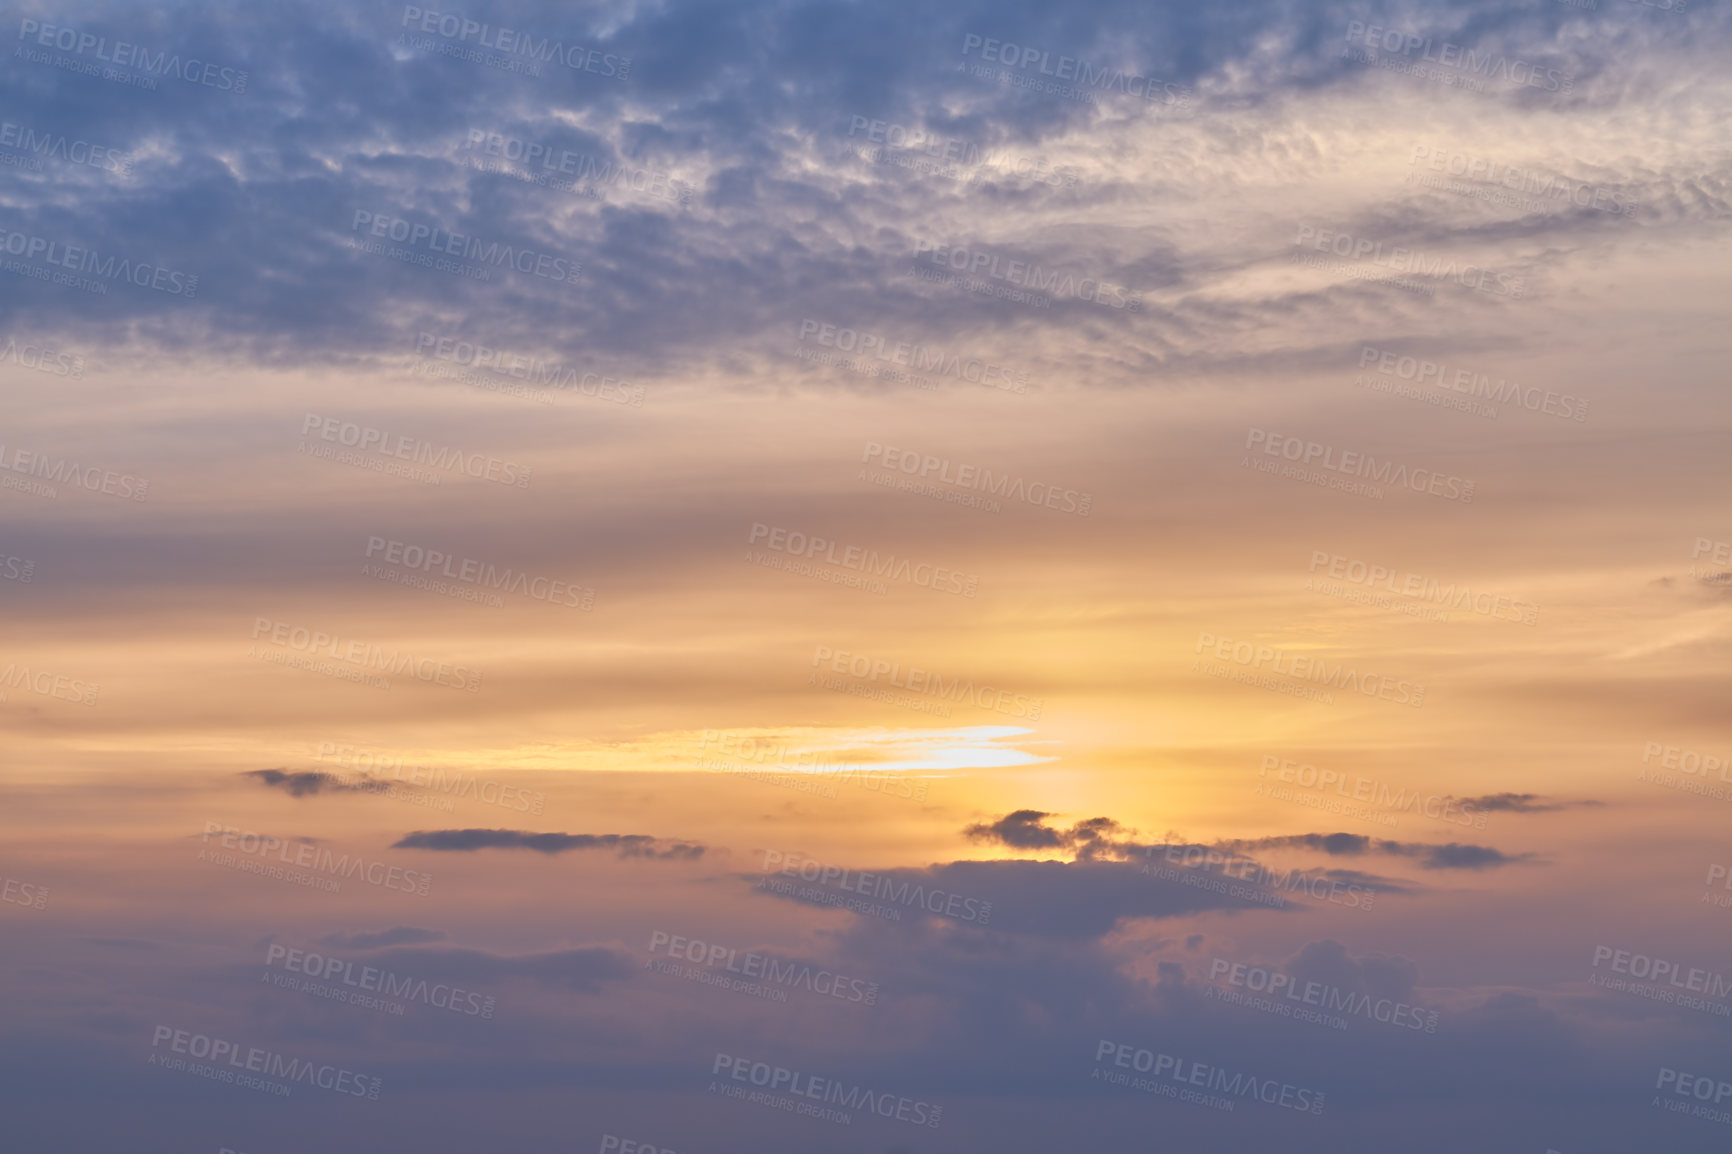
x=627, y=844
x=1026, y=829
x=1328, y=963
x=1072, y=900
x=1520, y=803
x=584, y=970
x=786, y=215
x=1091, y=841
x=1022, y=829
x=309, y=783
x=1430, y=856
x=377, y=939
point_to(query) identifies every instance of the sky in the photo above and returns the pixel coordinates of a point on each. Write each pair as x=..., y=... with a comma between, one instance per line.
x=740, y=578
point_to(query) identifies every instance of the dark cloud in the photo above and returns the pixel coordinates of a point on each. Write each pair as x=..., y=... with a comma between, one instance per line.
x=627, y=845
x=308, y=783
x=1328, y=963
x=1023, y=829
x=1336, y=844
x=1455, y=856
x=1071, y=900
x=1430, y=856
x=1027, y=829
x=1022, y=1016
x=1520, y=803
x=1092, y=840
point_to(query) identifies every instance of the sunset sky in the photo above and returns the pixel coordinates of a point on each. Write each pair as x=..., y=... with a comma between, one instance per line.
x=1134, y=577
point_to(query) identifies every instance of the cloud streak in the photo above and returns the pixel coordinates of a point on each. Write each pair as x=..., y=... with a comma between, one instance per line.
x=625, y=845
